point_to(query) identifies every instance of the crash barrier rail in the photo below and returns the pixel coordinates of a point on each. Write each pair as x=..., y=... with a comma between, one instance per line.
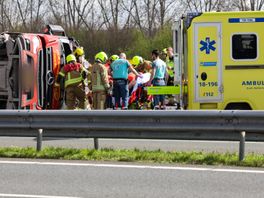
x=183, y=125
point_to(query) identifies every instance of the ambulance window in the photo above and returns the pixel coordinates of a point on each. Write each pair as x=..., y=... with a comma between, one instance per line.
x=244, y=46
x=176, y=42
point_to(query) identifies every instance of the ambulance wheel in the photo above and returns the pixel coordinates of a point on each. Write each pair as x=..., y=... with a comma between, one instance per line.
x=238, y=106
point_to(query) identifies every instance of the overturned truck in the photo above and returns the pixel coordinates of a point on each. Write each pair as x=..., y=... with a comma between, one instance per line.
x=29, y=64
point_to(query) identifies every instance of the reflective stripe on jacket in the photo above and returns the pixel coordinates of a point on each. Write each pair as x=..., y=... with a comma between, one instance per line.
x=170, y=67
x=99, y=78
x=73, y=74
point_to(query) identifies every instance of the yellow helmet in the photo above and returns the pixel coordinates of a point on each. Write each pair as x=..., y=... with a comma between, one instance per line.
x=113, y=58
x=101, y=57
x=136, y=61
x=164, y=51
x=70, y=58
x=79, y=51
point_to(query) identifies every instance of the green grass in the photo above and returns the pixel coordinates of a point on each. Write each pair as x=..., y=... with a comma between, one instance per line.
x=198, y=158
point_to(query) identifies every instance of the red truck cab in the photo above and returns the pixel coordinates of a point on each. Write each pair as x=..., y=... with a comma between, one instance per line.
x=29, y=64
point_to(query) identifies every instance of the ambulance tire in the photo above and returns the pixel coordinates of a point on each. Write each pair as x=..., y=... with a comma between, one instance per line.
x=238, y=106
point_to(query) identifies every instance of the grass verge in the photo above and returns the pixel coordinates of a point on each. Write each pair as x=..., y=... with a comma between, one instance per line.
x=158, y=156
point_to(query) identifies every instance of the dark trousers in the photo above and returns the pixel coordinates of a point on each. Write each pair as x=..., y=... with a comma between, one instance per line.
x=158, y=98
x=120, y=90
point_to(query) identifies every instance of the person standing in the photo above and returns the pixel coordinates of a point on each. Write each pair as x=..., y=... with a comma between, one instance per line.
x=120, y=69
x=74, y=75
x=170, y=66
x=100, y=83
x=80, y=57
x=157, y=78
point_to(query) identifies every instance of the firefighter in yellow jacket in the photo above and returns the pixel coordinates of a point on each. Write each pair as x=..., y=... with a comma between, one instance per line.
x=100, y=82
x=74, y=75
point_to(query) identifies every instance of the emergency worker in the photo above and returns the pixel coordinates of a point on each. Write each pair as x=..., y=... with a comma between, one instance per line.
x=136, y=62
x=74, y=75
x=80, y=57
x=113, y=58
x=100, y=82
x=163, y=54
x=170, y=66
x=107, y=65
x=140, y=64
x=120, y=70
x=109, y=98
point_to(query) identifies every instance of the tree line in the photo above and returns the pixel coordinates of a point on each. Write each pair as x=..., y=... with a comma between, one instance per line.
x=133, y=26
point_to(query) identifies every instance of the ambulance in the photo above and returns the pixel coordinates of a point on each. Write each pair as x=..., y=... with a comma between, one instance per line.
x=219, y=60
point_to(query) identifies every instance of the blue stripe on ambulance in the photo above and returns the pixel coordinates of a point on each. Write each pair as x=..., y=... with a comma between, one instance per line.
x=245, y=20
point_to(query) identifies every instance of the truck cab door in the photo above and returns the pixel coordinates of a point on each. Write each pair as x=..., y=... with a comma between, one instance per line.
x=208, y=62
x=27, y=80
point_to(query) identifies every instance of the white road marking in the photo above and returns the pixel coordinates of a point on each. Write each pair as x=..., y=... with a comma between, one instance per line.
x=133, y=166
x=33, y=196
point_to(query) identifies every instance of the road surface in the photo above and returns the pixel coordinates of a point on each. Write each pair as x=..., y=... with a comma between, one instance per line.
x=64, y=179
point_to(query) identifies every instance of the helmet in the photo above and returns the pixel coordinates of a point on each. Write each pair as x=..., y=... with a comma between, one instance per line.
x=79, y=51
x=164, y=51
x=113, y=58
x=137, y=60
x=70, y=58
x=101, y=57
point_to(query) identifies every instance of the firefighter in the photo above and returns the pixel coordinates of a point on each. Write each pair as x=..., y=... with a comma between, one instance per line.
x=140, y=64
x=137, y=61
x=74, y=75
x=113, y=58
x=107, y=65
x=80, y=57
x=109, y=98
x=100, y=82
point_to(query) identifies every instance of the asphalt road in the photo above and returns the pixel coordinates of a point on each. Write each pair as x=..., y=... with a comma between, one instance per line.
x=48, y=179
x=166, y=145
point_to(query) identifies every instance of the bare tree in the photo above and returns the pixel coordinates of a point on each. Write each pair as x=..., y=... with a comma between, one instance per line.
x=256, y=4
x=112, y=11
x=84, y=11
x=23, y=11
x=8, y=15
x=166, y=12
x=206, y=5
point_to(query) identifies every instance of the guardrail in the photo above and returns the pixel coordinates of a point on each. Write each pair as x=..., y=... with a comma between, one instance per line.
x=187, y=125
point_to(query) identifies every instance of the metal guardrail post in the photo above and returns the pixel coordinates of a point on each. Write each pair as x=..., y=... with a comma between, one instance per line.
x=242, y=145
x=39, y=139
x=96, y=144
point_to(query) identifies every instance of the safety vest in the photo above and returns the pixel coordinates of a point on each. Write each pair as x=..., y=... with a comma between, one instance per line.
x=170, y=66
x=72, y=74
x=99, y=77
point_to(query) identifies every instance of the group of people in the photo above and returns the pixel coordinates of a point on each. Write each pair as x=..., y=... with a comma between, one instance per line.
x=108, y=83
